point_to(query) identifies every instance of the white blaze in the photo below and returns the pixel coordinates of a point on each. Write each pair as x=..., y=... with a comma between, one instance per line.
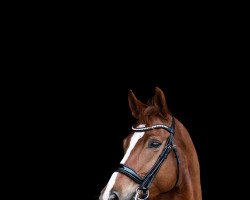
x=134, y=139
x=109, y=186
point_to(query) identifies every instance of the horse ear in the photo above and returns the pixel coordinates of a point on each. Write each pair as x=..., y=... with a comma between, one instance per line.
x=160, y=101
x=136, y=106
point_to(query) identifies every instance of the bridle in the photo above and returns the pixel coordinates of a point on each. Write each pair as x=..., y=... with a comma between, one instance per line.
x=142, y=192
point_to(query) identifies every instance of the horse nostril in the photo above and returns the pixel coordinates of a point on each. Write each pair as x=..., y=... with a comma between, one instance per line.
x=113, y=196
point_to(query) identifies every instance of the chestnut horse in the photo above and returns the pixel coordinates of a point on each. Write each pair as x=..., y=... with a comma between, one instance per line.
x=160, y=160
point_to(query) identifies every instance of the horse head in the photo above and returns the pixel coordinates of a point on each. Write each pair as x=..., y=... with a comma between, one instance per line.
x=150, y=166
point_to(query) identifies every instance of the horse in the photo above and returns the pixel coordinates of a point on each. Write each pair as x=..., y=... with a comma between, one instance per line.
x=160, y=160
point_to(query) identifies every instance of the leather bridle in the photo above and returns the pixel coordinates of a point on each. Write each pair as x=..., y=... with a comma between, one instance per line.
x=142, y=192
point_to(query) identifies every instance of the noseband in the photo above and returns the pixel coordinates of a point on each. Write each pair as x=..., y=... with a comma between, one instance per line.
x=142, y=192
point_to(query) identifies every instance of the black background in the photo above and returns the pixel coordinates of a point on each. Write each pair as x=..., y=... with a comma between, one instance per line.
x=84, y=112
x=75, y=92
x=82, y=102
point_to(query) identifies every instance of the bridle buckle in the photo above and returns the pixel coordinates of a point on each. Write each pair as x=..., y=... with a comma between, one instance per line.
x=141, y=194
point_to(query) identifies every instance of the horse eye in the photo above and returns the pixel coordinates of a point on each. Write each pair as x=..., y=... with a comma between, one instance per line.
x=154, y=144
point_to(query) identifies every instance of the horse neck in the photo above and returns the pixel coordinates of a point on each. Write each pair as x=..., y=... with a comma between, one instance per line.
x=189, y=181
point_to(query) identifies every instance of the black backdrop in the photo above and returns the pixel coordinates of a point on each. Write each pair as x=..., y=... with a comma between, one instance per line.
x=91, y=117
x=79, y=110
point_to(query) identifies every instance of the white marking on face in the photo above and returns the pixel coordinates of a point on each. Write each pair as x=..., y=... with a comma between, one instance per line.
x=109, y=186
x=134, y=139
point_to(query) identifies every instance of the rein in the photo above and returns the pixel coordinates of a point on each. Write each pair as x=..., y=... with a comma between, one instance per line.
x=142, y=192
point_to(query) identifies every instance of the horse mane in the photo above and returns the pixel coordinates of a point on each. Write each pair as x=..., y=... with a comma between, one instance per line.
x=150, y=112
